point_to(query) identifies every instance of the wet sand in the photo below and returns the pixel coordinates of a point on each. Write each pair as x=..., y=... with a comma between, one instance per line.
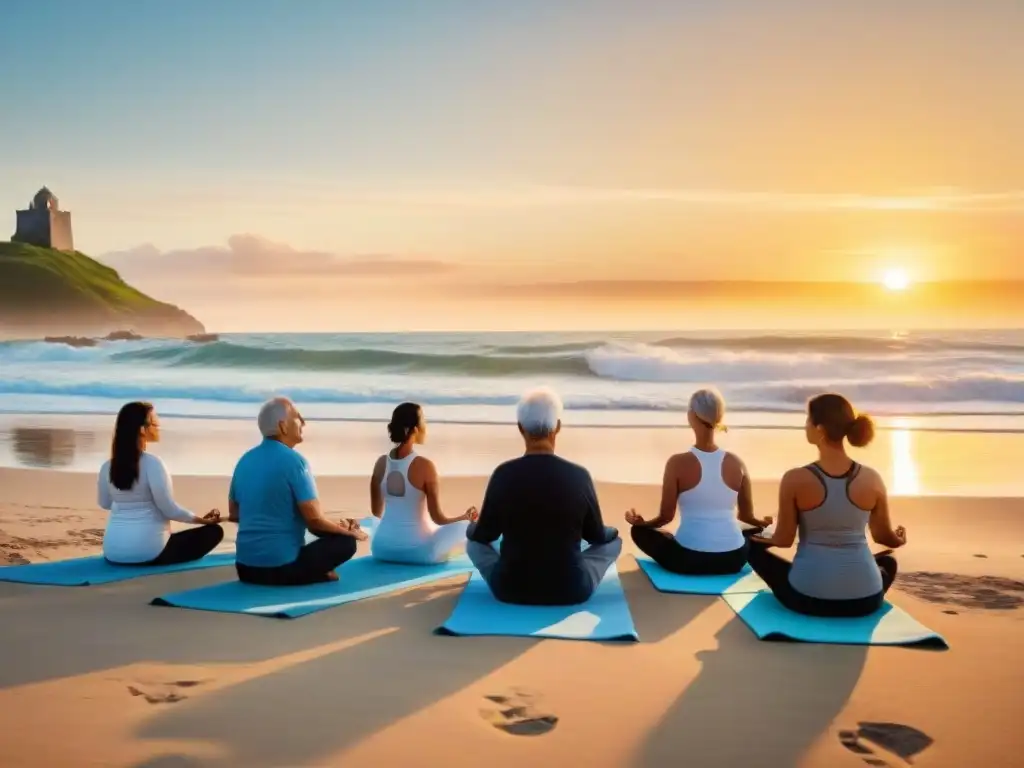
x=96, y=676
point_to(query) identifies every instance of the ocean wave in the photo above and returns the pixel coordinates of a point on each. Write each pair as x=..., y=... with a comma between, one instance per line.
x=904, y=396
x=846, y=344
x=224, y=354
x=652, y=359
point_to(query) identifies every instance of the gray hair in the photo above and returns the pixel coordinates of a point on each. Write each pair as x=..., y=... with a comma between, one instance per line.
x=539, y=412
x=272, y=413
x=708, y=405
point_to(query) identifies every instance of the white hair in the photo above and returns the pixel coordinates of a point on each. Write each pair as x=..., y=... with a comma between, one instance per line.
x=708, y=405
x=272, y=413
x=539, y=412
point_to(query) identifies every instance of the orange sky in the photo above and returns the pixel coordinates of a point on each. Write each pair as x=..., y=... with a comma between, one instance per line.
x=531, y=142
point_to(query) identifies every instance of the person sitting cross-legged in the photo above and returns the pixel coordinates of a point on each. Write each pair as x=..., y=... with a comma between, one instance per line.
x=712, y=491
x=405, y=495
x=833, y=503
x=273, y=498
x=542, y=507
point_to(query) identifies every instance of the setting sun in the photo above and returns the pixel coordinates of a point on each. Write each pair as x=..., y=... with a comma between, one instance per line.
x=896, y=280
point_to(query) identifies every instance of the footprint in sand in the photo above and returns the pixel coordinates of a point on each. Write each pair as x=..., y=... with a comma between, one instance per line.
x=516, y=713
x=162, y=693
x=876, y=743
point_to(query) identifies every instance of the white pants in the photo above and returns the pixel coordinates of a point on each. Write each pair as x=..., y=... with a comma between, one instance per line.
x=436, y=548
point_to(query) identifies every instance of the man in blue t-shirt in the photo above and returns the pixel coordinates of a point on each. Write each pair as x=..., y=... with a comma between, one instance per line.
x=274, y=501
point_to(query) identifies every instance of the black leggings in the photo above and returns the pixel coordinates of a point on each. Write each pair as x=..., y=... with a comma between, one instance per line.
x=663, y=548
x=775, y=573
x=315, y=561
x=186, y=546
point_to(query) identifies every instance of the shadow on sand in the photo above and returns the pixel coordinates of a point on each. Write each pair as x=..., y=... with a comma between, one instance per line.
x=756, y=704
x=57, y=632
x=658, y=615
x=304, y=713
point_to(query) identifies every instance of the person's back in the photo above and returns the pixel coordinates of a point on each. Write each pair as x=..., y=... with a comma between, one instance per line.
x=547, y=507
x=541, y=507
x=405, y=493
x=135, y=524
x=832, y=504
x=833, y=560
x=708, y=521
x=271, y=529
x=405, y=524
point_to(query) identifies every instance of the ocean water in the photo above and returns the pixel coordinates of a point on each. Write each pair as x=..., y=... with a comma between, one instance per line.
x=605, y=378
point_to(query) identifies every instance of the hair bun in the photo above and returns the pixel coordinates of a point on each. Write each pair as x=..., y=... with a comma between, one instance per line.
x=861, y=431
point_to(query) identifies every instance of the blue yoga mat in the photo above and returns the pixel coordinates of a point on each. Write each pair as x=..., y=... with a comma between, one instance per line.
x=360, y=578
x=890, y=625
x=87, y=571
x=605, y=616
x=666, y=581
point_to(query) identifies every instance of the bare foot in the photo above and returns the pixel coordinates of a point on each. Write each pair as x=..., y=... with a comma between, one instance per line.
x=332, y=575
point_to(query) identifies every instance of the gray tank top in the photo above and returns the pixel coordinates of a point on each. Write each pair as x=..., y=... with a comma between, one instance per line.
x=833, y=560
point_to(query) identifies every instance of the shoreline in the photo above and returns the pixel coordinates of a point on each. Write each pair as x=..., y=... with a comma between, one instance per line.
x=913, y=462
x=883, y=423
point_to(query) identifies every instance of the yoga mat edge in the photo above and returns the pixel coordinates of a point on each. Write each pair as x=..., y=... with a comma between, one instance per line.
x=93, y=570
x=890, y=626
x=478, y=614
x=299, y=601
x=666, y=582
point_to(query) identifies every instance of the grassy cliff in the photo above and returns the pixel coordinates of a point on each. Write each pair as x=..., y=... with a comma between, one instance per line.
x=43, y=291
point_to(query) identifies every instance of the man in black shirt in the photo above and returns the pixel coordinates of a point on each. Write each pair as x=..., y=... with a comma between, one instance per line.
x=542, y=507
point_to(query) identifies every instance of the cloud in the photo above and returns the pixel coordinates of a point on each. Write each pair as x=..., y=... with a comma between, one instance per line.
x=253, y=256
x=941, y=199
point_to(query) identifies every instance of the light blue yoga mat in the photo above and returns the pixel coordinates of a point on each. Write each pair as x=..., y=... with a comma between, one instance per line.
x=88, y=571
x=605, y=616
x=666, y=581
x=359, y=578
x=890, y=625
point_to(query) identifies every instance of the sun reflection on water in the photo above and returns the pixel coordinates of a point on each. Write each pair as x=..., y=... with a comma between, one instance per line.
x=905, y=478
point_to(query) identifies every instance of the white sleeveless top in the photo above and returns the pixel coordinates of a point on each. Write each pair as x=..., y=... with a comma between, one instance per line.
x=707, y=512
x=406, y=523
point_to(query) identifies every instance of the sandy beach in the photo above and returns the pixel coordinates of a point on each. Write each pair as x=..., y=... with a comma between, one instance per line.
x=96, y=676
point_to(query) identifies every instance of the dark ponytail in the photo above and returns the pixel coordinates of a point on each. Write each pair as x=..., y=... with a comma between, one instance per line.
x=124, y=450
x=404, y=421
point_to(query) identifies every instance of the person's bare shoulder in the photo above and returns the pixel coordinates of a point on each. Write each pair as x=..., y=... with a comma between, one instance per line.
x=682, y=460
x=733, y=469
x=870, y=477
x=798, y=477
x=423, y=466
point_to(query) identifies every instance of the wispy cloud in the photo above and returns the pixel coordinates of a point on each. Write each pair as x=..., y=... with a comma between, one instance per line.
x=487, y=196
x=254, y=256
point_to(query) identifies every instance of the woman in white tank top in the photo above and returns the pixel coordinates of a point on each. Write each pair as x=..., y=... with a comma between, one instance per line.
x=405, y=495
x=708, y=485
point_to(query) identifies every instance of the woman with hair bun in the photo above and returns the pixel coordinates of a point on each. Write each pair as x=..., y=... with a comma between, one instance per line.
x=831, y=502
x=405, y=495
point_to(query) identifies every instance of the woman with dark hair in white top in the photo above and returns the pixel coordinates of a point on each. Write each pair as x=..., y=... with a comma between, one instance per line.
x=405, y=494
x=135, y=486
x=711, y=489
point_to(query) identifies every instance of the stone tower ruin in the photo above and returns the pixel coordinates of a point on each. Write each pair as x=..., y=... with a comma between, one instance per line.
x=44, y=224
